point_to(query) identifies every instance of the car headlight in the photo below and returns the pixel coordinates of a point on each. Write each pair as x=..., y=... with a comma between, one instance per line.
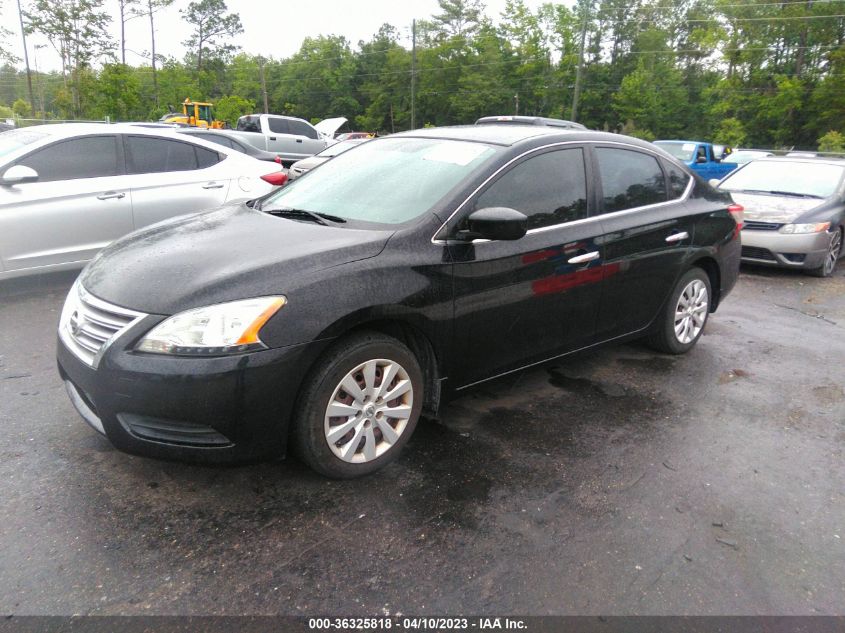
x=225, y=328
x=818, y=227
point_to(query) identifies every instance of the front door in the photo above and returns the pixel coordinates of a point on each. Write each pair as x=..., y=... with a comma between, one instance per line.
x=524, y=301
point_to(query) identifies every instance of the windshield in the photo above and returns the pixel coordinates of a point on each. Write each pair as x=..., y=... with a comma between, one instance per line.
x=15, y=139
x=681, y=151
x=388, y=181
x=800, y=178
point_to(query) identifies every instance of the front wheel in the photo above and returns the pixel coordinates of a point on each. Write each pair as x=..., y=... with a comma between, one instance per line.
x=359, y=407
x=834, y=251
x=683, y=319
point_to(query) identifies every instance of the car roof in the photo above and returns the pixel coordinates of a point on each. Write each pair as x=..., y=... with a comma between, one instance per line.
x=812, y=160
x=516, y=119
x=677, y=141
x=508, y=135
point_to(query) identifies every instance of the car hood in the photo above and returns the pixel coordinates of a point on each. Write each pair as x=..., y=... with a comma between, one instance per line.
x=310, y=162
x=222, y=255
x=766, y=208
x=327, y=127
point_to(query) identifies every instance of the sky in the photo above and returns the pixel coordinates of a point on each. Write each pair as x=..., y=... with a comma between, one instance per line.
x=273, y=28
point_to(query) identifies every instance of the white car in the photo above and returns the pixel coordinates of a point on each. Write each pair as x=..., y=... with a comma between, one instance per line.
x=67, y=191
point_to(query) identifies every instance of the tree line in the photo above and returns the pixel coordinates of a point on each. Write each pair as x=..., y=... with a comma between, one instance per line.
x=744, y=72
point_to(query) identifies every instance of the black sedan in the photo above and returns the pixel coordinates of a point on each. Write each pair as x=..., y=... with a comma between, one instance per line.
x=331, y=314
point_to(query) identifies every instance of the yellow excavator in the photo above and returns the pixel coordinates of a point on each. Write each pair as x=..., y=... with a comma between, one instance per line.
x=195, y=114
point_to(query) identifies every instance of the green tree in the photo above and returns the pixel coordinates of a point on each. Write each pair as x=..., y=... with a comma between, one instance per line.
x=731, y=132
x=77, y=30
x=232, y=107
x=22, y=109
x=212, y=30
x=833, y=141
x=117, y=94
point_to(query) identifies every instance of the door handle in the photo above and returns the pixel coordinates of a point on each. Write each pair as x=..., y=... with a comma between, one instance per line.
x=213, y=185
x=272, y=138
x=677, y=237
x=299, y=140
x=111, y=195
x=586, y=257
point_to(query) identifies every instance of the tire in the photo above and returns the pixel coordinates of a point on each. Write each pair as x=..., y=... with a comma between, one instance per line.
x=834, y=252
x=682, y=321
x=367, y=431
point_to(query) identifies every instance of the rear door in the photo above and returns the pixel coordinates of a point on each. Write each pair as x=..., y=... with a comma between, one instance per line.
x=522, y=301
x=306, y=138
x=79, y=204
x=648, y=232
x=171, y=177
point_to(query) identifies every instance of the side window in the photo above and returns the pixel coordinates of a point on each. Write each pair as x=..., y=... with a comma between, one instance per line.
x=279, y=126
x=215, y=138
x=302, y=129
x=148, y=154
x=249, y=124
x=550, y=188
x=87, y=157
x=678, y=180
x=207, y=157
x=629, y=179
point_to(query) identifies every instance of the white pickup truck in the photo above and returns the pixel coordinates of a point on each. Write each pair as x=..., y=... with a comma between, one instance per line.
x=290, y=138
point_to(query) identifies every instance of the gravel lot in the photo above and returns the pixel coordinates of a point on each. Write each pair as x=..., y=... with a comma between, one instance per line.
x=619, y=482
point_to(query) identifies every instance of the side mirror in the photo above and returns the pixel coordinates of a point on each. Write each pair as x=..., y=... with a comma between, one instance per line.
x=714, y=182
x=495, y=223
x=18, y=174
x=701, y=159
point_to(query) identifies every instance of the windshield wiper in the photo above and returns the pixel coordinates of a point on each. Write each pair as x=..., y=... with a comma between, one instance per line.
x=303, y=214
x=769, y=192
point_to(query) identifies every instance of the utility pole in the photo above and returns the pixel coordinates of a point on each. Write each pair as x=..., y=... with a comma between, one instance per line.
x=26, y=59
x=516, y=104
x=413, y=74
x=263, y=84
x=579, y=73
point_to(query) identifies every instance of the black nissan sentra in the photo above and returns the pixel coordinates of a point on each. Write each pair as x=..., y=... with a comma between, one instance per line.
x=331, y=314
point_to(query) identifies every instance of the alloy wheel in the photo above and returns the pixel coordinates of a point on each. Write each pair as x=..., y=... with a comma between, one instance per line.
x=833, y=251
x=691, y=311
x=369, y=410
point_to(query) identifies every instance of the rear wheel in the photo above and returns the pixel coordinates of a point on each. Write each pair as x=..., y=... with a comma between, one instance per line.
x=685, y=315
x=834, y=250
x=360, y=406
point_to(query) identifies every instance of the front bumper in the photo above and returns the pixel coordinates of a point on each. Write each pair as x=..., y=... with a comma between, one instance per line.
x=772, y=248
x=215, y=410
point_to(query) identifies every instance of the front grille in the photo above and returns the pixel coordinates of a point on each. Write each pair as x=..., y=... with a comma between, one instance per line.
x=172, y=431
x=754, y=252
x=89, y=324
x=754, y=225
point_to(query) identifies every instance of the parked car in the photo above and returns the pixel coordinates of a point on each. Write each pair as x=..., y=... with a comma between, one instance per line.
x=529, y=120
x=289, y=137
x=336, y=310
x=698, y=156
x=5, y=127
x=305, y=165
x=348, y=136
x=794, y=212
x=66, y=191
x=742, y=156
x=230, y=139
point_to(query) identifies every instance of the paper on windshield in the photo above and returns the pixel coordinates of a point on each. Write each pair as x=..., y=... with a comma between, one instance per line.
x=454, y=152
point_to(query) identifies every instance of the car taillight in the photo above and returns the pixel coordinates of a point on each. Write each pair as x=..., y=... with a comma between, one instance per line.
x=736, y=211
x=278, y=159
x=277, y=178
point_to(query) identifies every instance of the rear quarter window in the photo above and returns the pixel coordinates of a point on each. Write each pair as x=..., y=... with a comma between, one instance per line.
x=146, y=155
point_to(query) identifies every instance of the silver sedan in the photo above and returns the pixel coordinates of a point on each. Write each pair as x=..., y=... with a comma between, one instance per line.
x=67, y=191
